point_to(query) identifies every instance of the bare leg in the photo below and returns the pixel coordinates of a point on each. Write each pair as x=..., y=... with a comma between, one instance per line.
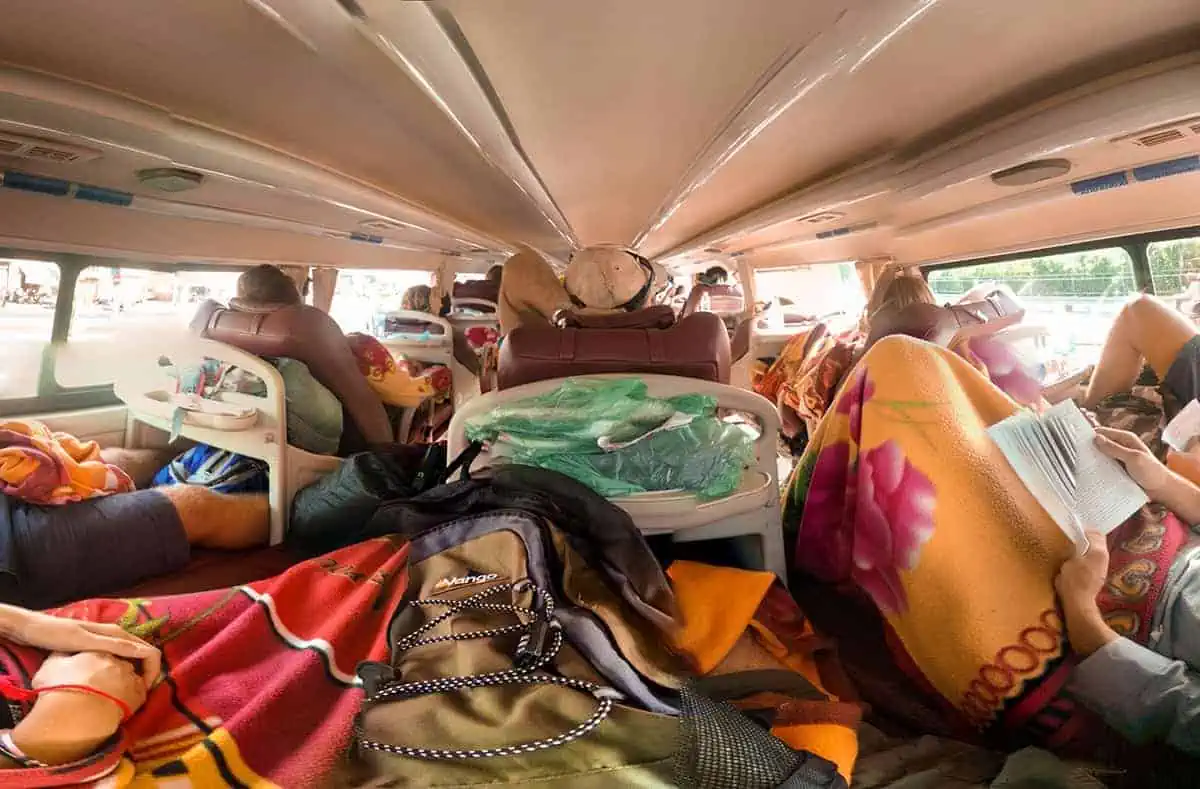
x=1146, y=331
x=230, y=521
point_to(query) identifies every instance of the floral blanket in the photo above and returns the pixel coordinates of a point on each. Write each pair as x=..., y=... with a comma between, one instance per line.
x=43, y=467
x=903, y=495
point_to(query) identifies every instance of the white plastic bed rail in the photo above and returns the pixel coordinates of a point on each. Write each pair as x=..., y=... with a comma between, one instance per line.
x=289, y=468
x=753, y=509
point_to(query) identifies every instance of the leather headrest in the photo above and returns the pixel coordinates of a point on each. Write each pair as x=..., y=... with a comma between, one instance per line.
x=477, y=289
x=940, y=325
x=306, y=334
x=659, y=317
x=695, y=347
x=928, y=322
x=411, y=326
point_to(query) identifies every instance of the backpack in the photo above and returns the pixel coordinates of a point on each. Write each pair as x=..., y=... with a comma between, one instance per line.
x=512, y=660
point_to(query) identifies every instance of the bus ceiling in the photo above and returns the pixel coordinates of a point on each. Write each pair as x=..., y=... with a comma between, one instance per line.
x=378, y=135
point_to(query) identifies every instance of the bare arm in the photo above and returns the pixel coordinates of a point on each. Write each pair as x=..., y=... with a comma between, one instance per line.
x=1142, y=694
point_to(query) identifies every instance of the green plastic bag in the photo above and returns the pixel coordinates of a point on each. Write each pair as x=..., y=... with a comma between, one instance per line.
x=615, y=438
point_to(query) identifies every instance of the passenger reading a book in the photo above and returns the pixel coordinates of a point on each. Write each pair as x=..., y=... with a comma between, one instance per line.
x=908, y=498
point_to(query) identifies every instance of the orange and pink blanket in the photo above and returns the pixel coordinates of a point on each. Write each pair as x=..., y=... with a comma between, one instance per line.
x=40, y=466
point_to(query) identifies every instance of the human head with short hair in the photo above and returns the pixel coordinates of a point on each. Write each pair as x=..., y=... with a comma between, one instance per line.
x=715, y=275
x=267, y=285
x=495, y=274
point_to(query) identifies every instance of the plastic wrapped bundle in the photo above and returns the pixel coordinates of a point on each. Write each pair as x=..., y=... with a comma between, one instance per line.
x=615, y=438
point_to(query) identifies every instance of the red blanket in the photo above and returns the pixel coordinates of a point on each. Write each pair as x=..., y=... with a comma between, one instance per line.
x=259, y=684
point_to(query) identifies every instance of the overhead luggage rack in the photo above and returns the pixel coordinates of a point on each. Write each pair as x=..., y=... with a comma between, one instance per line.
x=753, y=509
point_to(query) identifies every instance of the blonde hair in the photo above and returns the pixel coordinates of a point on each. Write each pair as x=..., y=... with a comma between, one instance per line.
x=899, y=292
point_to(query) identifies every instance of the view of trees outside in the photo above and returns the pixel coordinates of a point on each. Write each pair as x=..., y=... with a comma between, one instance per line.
x=1074, y=297
x=1104, y=273
x=1175, y=269
x=1077, y=296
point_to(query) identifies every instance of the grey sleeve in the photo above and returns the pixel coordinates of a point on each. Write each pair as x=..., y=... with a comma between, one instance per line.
x=1141, y=694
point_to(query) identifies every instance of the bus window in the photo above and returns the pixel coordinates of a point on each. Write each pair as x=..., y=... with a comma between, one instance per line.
x=1175, y=272
x=361, y=296
x=810, y=291
x=1075, y=296
x=114, y=306
x=28, y=290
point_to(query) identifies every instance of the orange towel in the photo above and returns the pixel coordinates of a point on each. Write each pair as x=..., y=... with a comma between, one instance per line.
x=43, y=467
x=736, y=620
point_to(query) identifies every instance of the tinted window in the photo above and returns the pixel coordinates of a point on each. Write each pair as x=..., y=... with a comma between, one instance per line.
x=1074, y=296
x=1175, y=272
x=117, y=306
x=28, y=290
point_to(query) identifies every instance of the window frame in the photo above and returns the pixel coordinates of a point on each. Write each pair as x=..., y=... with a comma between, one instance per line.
x=51, y=396
x=1135, y=246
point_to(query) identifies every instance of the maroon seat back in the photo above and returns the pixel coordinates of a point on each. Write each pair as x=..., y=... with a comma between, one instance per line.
x=485, y=289
x=308, y=335
x=659, y=317
x=940, y=325
x=695, y=347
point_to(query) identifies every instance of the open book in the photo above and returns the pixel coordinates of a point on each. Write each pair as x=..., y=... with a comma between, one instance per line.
x=1054, y=455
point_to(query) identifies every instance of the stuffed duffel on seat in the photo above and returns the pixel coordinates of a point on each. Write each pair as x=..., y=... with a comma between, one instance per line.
x=514, y=661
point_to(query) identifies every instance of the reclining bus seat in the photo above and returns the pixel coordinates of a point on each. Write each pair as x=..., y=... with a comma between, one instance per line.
x=724, y=300
x=940, y=325
x=481, y=295
x=644, y=341
x=308, y=335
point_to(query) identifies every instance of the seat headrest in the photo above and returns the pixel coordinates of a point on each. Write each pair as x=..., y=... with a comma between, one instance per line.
x=477, y=289
x=660, y=317
x=695, y=347
x=407, y=325
x=940, y=325
x=308, y=335
x=928, y=322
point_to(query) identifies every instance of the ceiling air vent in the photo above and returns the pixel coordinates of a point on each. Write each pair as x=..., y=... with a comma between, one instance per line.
x=379, y=225
x=1029, y=173
x=44, y=150
x=1159, y=138
x=1163, y=135
x=822, y=218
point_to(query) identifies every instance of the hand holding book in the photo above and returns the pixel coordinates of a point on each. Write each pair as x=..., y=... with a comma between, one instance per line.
x=1056, y=455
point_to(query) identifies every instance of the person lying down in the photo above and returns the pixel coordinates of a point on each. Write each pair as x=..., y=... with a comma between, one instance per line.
x=99, y=534
x=903, y=497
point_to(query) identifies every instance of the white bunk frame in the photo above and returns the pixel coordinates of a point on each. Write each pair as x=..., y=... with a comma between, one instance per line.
x=438, y=349
x=289, y=468
x=469, y=302
x=754, y=509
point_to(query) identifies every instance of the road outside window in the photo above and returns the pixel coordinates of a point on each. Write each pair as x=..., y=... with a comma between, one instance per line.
x=117, y=308
x=805, y=292
x=28, y=290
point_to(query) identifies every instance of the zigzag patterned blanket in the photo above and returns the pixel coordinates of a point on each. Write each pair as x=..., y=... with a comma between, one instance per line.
x=259, y=688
